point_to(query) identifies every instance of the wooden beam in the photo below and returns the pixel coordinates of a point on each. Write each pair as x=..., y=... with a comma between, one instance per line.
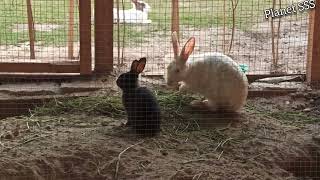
x=269, y=93
x=175, y=17
x=85, y=37
x=103, y=36
x=22, y=105
x=40, y=77
x=39, y=68
x=313, y=62
x=71, y=29
x=254, y=77
x=31, y=29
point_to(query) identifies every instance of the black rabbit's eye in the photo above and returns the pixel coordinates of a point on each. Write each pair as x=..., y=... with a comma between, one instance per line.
x=177, y=70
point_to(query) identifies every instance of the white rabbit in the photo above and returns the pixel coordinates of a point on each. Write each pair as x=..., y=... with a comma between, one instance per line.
x=213, y=75
x=137, y=14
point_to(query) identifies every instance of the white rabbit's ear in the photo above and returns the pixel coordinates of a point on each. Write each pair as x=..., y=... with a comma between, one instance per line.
x=175, y=44
x=140, y=6
x=187, y=49
x=134, y=66
x=135, y=2
x=141, y=65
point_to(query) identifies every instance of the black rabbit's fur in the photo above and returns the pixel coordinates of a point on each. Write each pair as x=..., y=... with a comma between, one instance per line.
x=141, y=105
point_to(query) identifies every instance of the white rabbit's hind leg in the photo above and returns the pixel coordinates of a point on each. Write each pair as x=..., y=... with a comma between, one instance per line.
x=183, y=87
x=196, y=103
x=202, y=104
x=210, y=105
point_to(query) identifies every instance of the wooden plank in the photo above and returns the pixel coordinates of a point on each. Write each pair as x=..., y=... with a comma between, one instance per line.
x=313, y=63
x=277, y=80
x=103, y=36
x=39, y=68
x=85, y=37
x=31, y=29
x=310, y=45
x=269, y=93
x=71, y=29
x=21, y=106
x=253, y=77
x=39, y=60
x=175, y=17
x=39, y=77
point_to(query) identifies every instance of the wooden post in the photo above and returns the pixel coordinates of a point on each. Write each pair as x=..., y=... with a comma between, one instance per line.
x=313, y=62
x=85, y=37
x=175, y=17
x=103, y=36
x=31, y=29
x=71, y=29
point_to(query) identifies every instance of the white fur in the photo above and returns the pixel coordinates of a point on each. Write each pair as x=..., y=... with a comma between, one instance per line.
x=213, y=75
x=133, y=15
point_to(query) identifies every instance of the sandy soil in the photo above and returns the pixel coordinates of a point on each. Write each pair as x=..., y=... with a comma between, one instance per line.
x=263, y=142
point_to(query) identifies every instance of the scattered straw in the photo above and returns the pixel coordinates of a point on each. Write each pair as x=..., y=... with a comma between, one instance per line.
x=220, y=155
x=222, y=143
x=34, y=138
x=197, y=176
x=252, y=158
x=195, y=160
x=119, y=158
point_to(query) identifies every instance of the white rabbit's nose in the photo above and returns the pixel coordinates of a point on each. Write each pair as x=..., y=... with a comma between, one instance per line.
x=170, y=83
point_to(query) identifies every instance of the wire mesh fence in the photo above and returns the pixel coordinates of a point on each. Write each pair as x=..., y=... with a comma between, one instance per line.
x=39, y=31
x=236, y=28
x=50, y=31
x=207, y=127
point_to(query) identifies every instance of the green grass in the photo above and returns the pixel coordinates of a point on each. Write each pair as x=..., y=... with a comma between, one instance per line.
x=174, y=107
x=103, y=105
x=177, y=115
x=195, y=13
x=131, y=33
x=172, y=102
x=14, y=12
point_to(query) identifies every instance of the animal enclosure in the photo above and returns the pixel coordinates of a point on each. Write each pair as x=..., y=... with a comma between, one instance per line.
x=66, y=113
x=236, y=28
x=34, y=33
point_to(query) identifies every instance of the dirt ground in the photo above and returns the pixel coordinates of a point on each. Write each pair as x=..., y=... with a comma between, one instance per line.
x=272, y=138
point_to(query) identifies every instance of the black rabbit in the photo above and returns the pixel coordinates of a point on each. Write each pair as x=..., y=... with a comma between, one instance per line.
x=141, y=105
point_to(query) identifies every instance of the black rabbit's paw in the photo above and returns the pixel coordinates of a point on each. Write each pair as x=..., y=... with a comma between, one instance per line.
x=127, y=124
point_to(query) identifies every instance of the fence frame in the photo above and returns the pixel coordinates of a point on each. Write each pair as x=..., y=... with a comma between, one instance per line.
x=83, y=66
x=313, y=60
x=103, y=36
x=103, y=28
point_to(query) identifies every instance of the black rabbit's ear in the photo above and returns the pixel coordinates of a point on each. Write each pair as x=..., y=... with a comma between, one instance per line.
x=134, y=66
x=141, y=65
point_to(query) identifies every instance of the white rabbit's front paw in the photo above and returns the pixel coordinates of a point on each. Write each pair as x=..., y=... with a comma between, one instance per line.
x=200, y=104
x=183, y=87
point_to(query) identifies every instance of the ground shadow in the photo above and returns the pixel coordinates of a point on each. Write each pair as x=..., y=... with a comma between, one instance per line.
x=215, y=119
